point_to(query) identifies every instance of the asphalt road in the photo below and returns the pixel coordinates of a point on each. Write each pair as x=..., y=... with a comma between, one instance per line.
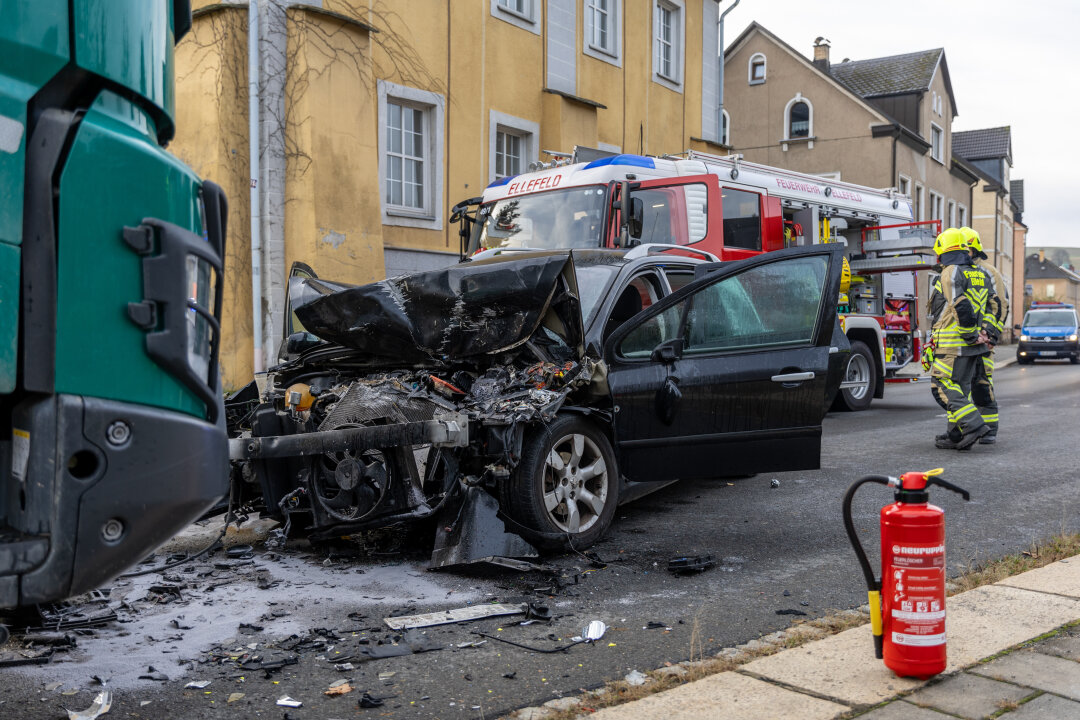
x=781, y=549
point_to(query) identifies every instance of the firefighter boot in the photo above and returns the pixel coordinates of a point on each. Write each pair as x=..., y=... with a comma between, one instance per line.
x=948, y=441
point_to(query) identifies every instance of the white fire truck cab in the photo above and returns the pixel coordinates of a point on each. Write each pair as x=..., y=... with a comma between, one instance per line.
x=722, y=208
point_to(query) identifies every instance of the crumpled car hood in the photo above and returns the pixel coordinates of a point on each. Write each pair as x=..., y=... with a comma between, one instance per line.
x=464, y=311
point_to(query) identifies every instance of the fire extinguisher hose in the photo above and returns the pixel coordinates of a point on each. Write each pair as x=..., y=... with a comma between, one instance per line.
x=873, y=583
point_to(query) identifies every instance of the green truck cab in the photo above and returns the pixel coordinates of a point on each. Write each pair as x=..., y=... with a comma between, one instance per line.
x=112, y=434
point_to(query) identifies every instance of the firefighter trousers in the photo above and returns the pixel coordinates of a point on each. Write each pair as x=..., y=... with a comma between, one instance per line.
x=982, y=392
x=950, y=379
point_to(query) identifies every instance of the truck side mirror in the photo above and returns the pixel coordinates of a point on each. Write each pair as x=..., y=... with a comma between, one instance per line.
x=637, y=217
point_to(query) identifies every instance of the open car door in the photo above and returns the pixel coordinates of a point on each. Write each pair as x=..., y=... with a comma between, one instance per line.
x=727, y=375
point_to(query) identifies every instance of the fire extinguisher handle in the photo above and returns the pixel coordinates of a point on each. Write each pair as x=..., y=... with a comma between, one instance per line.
x=872, y=582
x=948, y=486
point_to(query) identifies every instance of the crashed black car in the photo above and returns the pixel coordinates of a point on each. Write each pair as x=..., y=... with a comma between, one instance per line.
x=527, y=395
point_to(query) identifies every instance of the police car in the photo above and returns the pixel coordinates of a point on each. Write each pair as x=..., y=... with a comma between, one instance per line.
x=1049, y=331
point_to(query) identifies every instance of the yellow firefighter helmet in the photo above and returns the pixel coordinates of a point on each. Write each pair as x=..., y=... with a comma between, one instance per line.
x=973, y=239
x=949, y=240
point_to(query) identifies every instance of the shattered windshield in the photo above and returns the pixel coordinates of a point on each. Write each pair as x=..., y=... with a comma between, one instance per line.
x=592, y=280
x=571, y=218
x=1048, y=318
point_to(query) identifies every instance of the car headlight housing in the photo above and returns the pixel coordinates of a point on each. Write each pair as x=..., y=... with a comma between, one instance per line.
x=1072, y=338
x=1025, y=338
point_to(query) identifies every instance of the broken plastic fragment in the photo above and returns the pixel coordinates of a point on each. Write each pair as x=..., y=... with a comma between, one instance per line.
x=101, y=705
x=635, y=678
x=593, y=632
x=286, y=701
x=197, y=684
x=233, y=697
x=337, y=689
x=456, y=615
x=366, y=701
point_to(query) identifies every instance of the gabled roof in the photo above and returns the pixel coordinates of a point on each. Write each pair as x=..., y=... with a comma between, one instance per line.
x=894, y=75
x=756, y=27
x=983, y=144
x=1016, y=191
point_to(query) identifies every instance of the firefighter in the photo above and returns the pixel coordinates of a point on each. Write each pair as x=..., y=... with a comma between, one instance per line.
x=997, y=309
x=957, y=339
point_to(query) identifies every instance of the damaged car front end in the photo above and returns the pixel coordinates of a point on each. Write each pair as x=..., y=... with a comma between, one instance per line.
x=416, y=398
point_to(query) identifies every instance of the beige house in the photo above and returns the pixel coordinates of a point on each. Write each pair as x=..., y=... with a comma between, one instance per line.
x=989, y=153
x=1050, y=282
x=374, y=117
x=883, y=122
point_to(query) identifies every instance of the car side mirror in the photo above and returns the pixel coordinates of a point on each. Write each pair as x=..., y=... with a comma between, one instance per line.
x=297, y=343
x=1017, y=327
x=668, y=351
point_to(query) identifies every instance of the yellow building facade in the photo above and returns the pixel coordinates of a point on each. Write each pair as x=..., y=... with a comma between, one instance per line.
x=374, y=118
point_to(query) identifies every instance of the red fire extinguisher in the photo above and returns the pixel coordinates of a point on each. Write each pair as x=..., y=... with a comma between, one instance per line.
x=907, y=605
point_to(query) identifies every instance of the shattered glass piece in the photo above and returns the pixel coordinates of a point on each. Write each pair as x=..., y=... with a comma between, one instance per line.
x=635, y=678
x=101, y=705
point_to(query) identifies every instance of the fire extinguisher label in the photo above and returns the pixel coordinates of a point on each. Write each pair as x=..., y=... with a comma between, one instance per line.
x=918, y=602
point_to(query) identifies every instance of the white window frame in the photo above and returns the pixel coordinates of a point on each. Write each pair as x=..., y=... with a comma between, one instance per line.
x=809, y=137
x=903, y=185
x=961, y=215
x=750, y=69
x=613, y=54
x=952, y=214
x=918, y=198
x=725, y=128
x=937, y=205
x=527, y=20
x=429, y=217
x=678, y=43
x=528, y=131
x=939, y=155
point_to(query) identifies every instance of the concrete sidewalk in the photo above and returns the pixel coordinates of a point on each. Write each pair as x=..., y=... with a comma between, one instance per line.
x=1029, y=676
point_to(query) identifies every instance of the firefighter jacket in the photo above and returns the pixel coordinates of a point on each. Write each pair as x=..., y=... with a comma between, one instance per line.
x=997, y=302
x=962, y=306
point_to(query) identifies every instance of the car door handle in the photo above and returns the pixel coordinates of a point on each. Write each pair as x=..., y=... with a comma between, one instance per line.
x=793, y=377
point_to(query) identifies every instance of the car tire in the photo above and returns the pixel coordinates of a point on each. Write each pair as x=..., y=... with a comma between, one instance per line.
x=1024, y=360
x=859, y=367
x=566, y=486
x=1074, y=359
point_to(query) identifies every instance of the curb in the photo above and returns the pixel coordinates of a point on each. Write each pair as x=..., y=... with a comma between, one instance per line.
x=838, y=675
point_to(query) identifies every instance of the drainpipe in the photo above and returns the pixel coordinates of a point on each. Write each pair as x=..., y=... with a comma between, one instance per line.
x=253, y=154
x=720, y=83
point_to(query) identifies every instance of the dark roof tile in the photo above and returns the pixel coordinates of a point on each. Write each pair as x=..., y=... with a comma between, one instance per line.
x=1016, y=191
x=911, y=72
x=983, y=144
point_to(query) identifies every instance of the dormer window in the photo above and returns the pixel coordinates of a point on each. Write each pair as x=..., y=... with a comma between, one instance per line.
x=756, y=69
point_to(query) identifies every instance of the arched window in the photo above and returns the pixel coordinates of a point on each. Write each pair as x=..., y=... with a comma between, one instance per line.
x=725, y=128
x=755, y=70
x=799, y=118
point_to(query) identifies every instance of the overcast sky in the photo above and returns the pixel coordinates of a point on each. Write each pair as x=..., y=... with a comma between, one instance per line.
x=1011, y=63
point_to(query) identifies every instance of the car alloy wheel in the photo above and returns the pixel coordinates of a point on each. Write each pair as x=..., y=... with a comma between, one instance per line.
x=576, y=482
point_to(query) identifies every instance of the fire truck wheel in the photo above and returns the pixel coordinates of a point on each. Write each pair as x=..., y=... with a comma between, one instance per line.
x=859, y=370
x=566, y=485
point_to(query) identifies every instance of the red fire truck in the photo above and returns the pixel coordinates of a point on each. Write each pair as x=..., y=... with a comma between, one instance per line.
x=723, y=208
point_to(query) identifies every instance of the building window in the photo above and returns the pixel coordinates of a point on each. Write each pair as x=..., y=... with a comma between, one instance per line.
x=405, y=156
x=917, y=199
x=937, y=206
x=522, y=13
x=952, y=214
x=961, y=216
x=603, y=36
x=668, y=43
x=513, y=145
x=756, y=69
x=798, y=118
x=410, y=155
x=904, y=185
x=725, y=128
x=509, y=153
x=937, y=143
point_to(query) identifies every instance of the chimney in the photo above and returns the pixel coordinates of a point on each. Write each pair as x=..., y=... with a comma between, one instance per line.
x=1042, y=255
x=821, y=54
